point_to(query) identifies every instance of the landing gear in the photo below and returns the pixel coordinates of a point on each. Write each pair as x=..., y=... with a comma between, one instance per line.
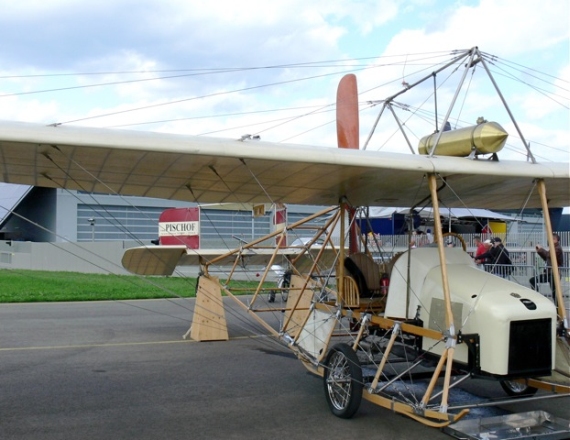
x=517, y=389
x=343, y=381
x=283, y=287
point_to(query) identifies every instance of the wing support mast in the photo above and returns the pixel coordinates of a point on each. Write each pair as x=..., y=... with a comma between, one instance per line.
x=388, y=101
x=451, y=340
x=475, y=56
x=541, y=185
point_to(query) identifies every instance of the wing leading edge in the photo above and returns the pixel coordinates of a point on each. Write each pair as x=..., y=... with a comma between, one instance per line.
x=211, y=170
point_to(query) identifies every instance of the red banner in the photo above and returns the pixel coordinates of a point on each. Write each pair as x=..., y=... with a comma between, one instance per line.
x=180, y=226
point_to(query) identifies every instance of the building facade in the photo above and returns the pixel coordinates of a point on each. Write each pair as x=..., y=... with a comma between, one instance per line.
x=56, y=215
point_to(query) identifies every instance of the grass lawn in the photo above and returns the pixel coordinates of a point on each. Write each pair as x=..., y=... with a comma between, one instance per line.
x=35, y=286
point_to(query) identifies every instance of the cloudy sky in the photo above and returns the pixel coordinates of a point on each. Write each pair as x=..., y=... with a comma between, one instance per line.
x=227, y=68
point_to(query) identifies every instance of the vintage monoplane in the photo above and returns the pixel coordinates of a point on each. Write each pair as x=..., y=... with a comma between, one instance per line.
x=401, y=333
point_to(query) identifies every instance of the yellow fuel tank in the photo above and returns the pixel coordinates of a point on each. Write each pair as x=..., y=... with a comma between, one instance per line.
x=485, y=138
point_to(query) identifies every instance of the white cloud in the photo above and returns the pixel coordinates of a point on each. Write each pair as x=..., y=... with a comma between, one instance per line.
x=505, y=27
x=143, y=35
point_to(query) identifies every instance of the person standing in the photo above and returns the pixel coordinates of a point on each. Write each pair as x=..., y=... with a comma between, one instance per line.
x=499, y=257
x=429, y=236
x=480, y=246
x=546, y=275
x=503, y=263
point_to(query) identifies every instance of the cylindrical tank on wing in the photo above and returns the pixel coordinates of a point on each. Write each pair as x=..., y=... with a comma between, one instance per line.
x=485, y=138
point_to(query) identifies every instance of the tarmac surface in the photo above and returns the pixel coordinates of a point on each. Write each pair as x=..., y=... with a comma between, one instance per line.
x=121, y=370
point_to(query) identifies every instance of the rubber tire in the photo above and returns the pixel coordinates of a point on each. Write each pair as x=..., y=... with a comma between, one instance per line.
x=516, y=389
x=343, y=381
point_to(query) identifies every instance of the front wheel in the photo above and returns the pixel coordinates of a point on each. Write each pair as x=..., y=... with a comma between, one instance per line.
x=517, y=389
x=343, y=381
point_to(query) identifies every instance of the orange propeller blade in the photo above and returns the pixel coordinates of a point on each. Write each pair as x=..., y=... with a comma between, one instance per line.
x=347, y=123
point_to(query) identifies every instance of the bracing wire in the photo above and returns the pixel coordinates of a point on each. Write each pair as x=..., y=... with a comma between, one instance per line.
x=416, y=114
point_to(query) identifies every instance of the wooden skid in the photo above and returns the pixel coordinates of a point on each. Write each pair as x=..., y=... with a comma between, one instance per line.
x=209, y=321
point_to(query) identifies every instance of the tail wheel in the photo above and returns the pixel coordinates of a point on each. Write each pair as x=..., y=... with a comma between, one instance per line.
x=517, y=389
x=343, y=381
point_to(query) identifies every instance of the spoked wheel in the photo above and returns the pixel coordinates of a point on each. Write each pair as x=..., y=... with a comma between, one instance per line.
x=343, y=381
x=517, y=389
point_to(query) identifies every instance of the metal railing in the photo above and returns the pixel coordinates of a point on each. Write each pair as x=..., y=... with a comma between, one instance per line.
x=521, y=274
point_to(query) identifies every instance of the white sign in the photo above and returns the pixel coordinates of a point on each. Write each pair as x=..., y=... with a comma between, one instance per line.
x=170, y=229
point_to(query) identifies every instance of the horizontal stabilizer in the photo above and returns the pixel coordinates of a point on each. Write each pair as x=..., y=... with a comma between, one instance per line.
x=162, y=260
x=158, y=260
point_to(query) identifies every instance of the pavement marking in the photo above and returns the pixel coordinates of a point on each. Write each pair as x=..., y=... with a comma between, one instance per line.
x=117, y=344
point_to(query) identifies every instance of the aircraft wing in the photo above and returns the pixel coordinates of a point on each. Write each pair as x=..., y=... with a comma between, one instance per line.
x=211, y=170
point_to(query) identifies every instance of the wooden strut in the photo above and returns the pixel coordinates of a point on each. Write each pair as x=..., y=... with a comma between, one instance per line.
x=249, y=311
x=307, y=277
x=393, y=336
x=555, y=270
x=213, y=326
x=328, y=240
x=341, y=252
x=434, y=378
x=449, y=322
x=427, y=417
x=329, y=225
x=446, y=357
x=280, y=241
x=267, y=237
